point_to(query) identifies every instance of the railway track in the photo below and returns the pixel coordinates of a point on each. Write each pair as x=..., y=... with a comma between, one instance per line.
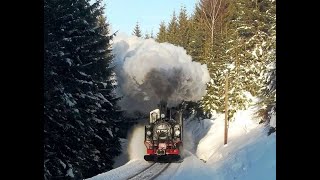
x=150, y=172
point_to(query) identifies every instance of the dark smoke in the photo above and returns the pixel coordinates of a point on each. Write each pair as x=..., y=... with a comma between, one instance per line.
x=163, y=82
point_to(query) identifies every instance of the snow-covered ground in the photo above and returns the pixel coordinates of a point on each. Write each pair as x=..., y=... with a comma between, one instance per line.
x=249, y=155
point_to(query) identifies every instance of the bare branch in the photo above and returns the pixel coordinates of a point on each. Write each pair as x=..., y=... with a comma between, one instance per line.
x=213, y=9
x=207, y=23
x=218, y=9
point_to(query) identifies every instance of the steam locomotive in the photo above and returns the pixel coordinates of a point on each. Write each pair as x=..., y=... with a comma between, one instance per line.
x=164, y=135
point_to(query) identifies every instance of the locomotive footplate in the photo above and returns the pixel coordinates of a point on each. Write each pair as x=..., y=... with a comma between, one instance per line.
x=162, y=158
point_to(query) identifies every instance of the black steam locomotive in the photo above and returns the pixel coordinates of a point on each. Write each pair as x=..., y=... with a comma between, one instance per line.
x=164, y=135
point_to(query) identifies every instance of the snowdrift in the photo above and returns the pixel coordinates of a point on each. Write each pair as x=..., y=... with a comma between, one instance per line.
x=249, y=155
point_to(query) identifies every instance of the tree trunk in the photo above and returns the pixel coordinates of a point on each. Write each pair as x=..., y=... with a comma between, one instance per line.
x=226, y=112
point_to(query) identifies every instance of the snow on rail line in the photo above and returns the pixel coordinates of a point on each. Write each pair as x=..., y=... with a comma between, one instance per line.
x=123, y=172
x=152, y=172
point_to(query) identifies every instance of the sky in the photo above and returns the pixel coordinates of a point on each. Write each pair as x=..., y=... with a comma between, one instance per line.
x=124, y=14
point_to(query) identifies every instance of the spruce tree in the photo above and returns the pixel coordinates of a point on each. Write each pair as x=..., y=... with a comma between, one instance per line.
x=183, y=29
x=173, y=30
x=162, y=34
x=137, y=30
x=197, y=36
x=267, y=93
x=80, y=111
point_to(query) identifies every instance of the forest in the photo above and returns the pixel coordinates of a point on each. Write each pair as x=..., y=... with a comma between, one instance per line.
x=236, y=39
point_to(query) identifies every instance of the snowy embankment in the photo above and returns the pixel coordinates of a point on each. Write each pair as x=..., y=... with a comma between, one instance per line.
x=249, y=155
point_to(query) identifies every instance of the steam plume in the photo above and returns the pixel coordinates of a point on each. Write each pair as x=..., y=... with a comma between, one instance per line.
x=148, y=72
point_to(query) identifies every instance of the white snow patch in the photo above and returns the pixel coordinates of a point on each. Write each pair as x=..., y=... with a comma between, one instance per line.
x=70, y=173
x=110, y=132
x=104, y=99
x=63, y=164
x=84, y=74
x=98, y=137
x=67, y=97
x=273, y=120
x=84, y=82
x=191, y=168
x=231, y=66
x=99, y=120
x=69, y=61
x=104, y=84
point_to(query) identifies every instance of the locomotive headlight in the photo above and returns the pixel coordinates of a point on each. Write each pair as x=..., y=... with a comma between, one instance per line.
x=177, y=132
x=162, y=116
x=148, y=133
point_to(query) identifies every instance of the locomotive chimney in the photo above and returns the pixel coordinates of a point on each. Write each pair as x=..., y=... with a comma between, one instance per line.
x=163, y=106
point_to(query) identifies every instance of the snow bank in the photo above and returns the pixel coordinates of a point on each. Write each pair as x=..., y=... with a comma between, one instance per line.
x=254, y=160
x=192, y=168
x=249, y=155
x=210, y=145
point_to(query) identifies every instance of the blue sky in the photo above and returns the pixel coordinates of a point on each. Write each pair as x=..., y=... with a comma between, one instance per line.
x=123, y=14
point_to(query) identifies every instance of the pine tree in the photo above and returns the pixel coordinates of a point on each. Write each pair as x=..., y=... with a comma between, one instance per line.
x=173, y=30
x=267, y=93
x=183, y=29
x=197, y=36
x=162, y=34
x=80, y=111
x=248, y=49
x=137, y=30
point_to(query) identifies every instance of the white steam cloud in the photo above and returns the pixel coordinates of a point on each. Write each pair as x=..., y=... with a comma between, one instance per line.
x=136, y=147
x=148, y=72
